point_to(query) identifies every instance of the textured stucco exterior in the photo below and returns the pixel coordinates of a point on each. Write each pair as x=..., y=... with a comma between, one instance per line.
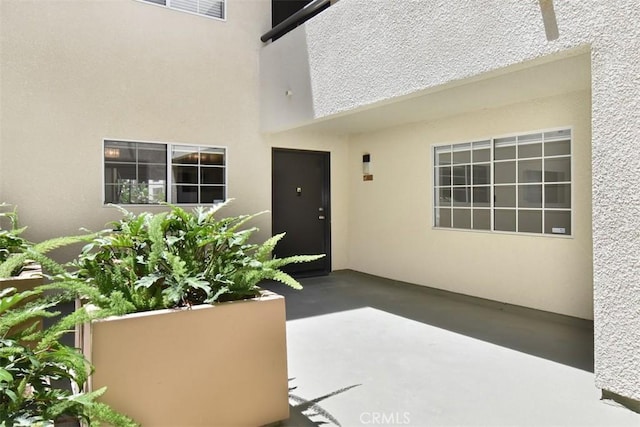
x=547, y=273
x=364, y=54
x=73, y=73
x=76, y=72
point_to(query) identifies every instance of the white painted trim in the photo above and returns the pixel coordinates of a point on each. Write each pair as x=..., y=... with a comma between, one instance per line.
x=492, y=185
x=169, y=145
x=188, y=12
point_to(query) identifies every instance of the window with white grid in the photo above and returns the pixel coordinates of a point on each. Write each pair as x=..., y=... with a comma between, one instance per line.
x=208, y=8
x=152, y=173
x=518, y=184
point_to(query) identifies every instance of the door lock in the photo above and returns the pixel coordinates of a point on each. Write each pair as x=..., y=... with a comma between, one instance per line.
x=321, y=217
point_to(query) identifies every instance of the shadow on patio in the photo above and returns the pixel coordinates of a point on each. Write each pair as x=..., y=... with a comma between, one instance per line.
x=551, y=336
x=427, y=357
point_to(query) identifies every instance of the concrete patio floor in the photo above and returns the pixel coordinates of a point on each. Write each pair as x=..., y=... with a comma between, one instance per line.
x=415, y=356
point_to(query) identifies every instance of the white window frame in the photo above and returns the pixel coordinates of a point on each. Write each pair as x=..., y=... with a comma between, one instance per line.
x=167, y=5
x=492, y=185
x=169, y=170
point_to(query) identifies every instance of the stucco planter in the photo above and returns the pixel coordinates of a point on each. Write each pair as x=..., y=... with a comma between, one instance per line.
x=210, y=365
x=29, y=278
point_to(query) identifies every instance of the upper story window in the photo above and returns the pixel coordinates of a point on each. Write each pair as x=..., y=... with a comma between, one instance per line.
x=210, y=8
x=516, y=184
x=151, y=173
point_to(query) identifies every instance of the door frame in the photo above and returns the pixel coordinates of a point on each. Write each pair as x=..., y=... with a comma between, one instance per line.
x=326, y=201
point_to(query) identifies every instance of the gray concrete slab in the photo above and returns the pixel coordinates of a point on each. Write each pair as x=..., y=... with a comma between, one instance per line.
x=422, y=357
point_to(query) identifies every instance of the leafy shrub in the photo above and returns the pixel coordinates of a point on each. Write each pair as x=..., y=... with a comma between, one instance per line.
x=178, y=258
x=17, y=252
x=10, y=240
x=33, y=361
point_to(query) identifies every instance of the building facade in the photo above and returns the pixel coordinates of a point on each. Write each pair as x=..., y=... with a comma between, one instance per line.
x=460, y=107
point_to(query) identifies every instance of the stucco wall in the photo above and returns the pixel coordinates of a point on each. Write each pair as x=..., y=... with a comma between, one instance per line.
x=73, y=73
x=362, y=52
x=391, y=217
x=76, y=72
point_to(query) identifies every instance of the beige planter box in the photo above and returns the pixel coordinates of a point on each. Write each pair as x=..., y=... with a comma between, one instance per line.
x=29, y=278
x=220, y=365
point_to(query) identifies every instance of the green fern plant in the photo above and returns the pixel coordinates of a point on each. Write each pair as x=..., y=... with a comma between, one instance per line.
x=179, y=258
x=11, y=241
x=17, y=252
x=31, y=358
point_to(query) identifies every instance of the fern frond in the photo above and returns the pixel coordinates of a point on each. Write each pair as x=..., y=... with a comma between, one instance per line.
x=58, y=242
x=296, y=259
x=243, y=219
x=157, y=237
x=282, y=277
x=266, y=249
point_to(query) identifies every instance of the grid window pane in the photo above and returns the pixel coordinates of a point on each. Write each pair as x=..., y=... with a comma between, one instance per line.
x=504, y=148
x=504, y=172
x=557, y=135
x=462, y=196
x=481, y=196
x=530, y=196
x=481, y=174
x=461, y=157
x=185, y=194
x=557, y=169
x=211, y=175
x=505, y=196
x=461, y=153
x=530, y=138
x=529, y=221
x=117, y=151
x=184, y=155
x=113, y=172
x=185, y=174
x=482, y=219
x=443, y=176
x=557, y=222
x=443, y=155
x=444, y=197
x=151, y=153
x=504, y=220
x=557, y=196
x=148, y=173
x=557, y=148
x=483, y=155
x=530, y=171
x=481, y=151
x=462, y=218
x=212, y=156
x=211, y=194
x=443, y=217
x=529, y=150
x=462, y=175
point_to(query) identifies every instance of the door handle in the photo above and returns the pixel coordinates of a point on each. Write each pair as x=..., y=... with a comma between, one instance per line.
x=321, y=217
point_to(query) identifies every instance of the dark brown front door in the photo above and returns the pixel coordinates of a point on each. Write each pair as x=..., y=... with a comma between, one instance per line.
x=300, y=207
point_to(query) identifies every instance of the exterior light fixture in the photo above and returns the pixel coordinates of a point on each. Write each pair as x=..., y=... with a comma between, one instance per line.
x=366, y=168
